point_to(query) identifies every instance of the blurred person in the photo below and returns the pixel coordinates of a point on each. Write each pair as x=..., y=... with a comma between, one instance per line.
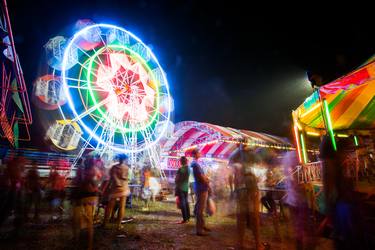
x=182, y=188
x=14, y=184
x=146, y=191
x=154, y=186
x=103, y=182
x=340, y=198
x=269, y=203
x=33, y=191
x=201, y=191
x=230, y=178
x=191, y=185
x=86, y=198
x=247, y=194
x=56, y=195
x=118, y=188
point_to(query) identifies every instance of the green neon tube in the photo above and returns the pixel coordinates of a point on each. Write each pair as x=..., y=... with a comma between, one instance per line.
x=356, y=141
x=329, y=124
x=303, y=149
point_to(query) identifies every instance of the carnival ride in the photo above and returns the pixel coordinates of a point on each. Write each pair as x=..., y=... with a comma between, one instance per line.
x=15, y=113
x=109, y=90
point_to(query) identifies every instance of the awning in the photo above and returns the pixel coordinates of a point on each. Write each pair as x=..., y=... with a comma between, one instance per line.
x=215, y=141
x=350, y=101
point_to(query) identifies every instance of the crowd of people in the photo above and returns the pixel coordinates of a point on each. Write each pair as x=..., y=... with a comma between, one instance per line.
x=96, y=186
x=93, y=187
x=243, y=189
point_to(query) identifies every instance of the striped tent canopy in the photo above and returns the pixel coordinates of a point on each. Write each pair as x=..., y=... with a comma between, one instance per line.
x=215, y=141
x=350, y=101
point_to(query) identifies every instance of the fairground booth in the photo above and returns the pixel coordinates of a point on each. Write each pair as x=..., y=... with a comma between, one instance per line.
x=344, y=108
x=216, y=145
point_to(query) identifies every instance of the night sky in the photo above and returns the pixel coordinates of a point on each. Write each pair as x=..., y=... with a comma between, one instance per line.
x=230, y=64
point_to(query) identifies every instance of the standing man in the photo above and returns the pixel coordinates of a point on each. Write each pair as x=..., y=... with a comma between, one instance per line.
x=182, y=188
x=247, y=194
x=201, y=191
x=118, y=189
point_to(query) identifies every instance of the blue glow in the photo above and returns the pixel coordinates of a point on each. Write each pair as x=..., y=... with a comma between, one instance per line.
x=70, y=100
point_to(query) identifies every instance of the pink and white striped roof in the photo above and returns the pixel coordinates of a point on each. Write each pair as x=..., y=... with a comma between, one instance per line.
x=215, y=141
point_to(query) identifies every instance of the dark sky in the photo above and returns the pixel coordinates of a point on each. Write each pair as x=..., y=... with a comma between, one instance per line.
x=228, y=63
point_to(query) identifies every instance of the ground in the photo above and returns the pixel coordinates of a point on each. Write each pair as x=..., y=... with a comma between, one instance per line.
x=153, y=229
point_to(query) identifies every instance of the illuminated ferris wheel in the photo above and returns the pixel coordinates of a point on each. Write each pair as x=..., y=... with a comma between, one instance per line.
x=115, y=88
x=113, y=93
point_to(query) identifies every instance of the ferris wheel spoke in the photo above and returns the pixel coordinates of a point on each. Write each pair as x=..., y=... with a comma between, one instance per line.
x=88, y=88
x=92, y=109
x=162, y=115
x=146, y=137
x=124, y=137
x=75, y=79
x=88, y=56
x=101, y=63
x=106, y=70
x=154, y=110
x=85, y=67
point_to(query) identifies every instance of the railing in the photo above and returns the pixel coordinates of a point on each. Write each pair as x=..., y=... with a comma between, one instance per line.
x=309, y=172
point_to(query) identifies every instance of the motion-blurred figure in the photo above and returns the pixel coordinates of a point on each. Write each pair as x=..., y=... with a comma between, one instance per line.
x=340, y=198
x=201, y=190
x=118, y=188
x=86, y=198
x=146, y=190
x=269, y=203
x=33, y=191
x=247, y=194
x=56, y=193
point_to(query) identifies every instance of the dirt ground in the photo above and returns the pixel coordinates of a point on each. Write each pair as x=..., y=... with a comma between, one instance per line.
x=153, y=229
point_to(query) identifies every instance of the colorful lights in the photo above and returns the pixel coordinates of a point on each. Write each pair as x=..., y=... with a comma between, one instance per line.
x=134, y=97
x=329, y=123
x=313, y=133
x=356, y=141
x=303, y=149
x=312, y=109
x=115, y=90
x=297, y=142
x=342, y=135
x=233, y=141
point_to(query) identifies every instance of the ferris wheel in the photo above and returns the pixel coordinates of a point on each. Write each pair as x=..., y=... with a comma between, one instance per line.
x=112, y=92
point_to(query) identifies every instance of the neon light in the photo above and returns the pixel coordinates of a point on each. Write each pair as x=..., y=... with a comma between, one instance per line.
x=92, y=95
x=356, y=141
x=298, y=125
x=313, y=133
x=297, y=142
x=303, y=149
x=342, y=135
x=329, y=124
x=70, y=100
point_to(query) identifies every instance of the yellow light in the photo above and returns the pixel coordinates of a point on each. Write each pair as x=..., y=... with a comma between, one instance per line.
x=342, y=135
x=312, y=133
x=299, y=126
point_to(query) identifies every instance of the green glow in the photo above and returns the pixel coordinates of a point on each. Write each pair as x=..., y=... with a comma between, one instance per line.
x=356, y=141
x=303, y=149
x=329, y=124
x=92, y=94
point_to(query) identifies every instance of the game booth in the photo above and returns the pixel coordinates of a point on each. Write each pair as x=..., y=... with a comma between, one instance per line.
x=216, y=145
x=344, y=108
